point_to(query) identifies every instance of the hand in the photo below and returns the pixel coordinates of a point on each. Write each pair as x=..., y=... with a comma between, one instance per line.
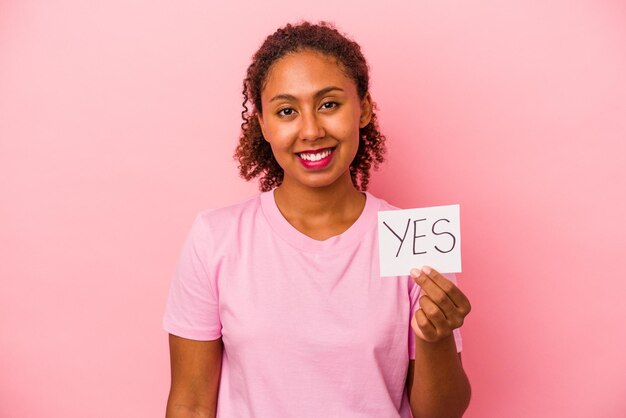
x=443, y=306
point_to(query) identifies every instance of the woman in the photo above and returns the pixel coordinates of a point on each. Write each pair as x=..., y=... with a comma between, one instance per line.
x=277, y=308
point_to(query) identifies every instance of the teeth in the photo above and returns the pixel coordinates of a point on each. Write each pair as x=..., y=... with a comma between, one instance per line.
x=315, y=157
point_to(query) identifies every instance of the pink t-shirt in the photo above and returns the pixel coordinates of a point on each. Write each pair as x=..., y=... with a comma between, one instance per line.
x=310, y=329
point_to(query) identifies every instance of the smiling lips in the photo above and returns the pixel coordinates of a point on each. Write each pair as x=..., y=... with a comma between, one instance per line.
x=317, y=159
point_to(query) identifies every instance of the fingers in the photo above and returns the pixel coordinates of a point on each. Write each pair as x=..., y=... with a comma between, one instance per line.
x=436, y=293
x=433, y=313
x=442, y=291
x=423, y=327
x=431, y=322
x=443, y=306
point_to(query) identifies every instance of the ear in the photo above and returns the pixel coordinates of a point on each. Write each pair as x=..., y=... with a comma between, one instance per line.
x=259, y=118
x=366, y=110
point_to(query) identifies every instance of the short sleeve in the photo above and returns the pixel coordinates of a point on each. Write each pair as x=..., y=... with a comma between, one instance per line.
x=414, y=294
x=192, y=309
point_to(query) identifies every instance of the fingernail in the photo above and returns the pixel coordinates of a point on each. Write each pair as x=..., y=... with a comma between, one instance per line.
x=415, y=272
x=426, y=269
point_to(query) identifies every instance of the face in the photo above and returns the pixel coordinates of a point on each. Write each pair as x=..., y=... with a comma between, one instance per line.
x=311, y=118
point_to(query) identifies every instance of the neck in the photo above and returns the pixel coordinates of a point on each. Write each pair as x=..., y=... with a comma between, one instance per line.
x=341, y=198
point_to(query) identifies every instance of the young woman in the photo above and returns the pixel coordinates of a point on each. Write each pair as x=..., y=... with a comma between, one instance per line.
x=277, y=308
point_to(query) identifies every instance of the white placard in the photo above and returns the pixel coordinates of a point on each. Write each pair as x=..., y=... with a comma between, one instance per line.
x=410, y=238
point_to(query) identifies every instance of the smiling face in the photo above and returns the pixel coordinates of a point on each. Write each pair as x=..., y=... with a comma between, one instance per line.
x=311, y=118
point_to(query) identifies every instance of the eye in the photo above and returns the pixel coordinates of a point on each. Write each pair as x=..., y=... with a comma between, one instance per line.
x=287, y=111
x=329, y=105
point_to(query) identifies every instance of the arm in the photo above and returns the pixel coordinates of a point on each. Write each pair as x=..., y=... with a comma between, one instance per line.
x=196, y=367
x=437, y=384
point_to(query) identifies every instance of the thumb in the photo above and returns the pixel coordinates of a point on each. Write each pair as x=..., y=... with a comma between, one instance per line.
x=416, y=329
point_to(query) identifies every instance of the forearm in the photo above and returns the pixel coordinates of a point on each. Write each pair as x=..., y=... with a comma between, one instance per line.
x=196, y=368
x=175, y=410
x=439, y=386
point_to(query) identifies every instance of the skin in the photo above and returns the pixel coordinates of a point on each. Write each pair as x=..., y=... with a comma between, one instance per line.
x=195, y=369
x=310, y=103
x=436, y=382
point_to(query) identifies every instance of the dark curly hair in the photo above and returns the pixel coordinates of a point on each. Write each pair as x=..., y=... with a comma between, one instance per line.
x=254, y=152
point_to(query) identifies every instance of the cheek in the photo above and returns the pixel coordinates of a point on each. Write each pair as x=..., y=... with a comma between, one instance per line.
x=281, y=151
x=345, y=127
x=276, y=153
x=275, y=149
x=278, y=134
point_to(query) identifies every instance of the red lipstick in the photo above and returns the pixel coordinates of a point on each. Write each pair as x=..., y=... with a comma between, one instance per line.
x=316, y=159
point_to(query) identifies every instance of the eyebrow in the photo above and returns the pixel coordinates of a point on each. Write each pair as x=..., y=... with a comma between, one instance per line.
x=318, y=94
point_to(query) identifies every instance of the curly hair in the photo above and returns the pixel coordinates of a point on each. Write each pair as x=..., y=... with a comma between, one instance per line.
x=254, y=152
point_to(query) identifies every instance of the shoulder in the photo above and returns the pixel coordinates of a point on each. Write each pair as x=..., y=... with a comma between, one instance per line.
x=381, y=203
x=213, y=226
x=225, y=217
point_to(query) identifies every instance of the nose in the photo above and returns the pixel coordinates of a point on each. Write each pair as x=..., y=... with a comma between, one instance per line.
x=310, y=128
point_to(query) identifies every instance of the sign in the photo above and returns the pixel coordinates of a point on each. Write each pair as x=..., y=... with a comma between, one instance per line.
x=412, y=238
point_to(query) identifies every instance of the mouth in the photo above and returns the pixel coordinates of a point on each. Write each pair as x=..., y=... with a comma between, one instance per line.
x=315, y=155
x=316, y=159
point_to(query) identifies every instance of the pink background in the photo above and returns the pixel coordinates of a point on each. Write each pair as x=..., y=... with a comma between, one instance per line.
x=118, y=120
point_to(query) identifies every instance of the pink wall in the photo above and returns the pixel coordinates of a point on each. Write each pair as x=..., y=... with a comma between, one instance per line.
x=117, y=124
